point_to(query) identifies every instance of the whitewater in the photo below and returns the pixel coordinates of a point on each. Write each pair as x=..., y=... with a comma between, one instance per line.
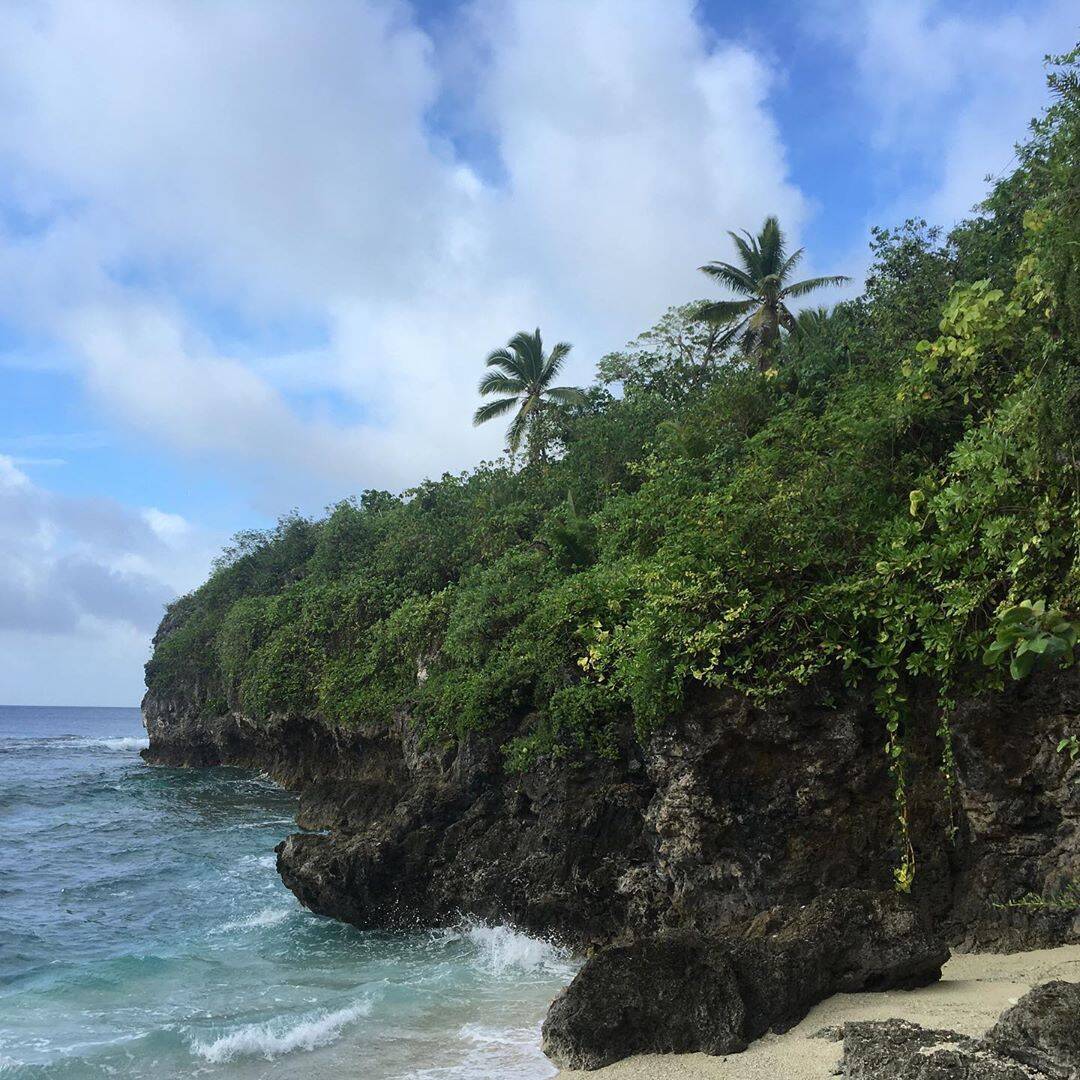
x=144, y=932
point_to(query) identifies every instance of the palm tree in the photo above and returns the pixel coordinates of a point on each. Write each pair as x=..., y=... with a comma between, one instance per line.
x=813, y=320
x=524, y=374
x=762, y=283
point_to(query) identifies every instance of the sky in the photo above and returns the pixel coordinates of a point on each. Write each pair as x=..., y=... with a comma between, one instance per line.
x=253, y=252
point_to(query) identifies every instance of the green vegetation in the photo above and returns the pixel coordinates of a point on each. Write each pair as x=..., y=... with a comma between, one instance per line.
x=897, y=501
x=523, y=372
x=762, y=282
x=1033, y=637
x=1067, y=899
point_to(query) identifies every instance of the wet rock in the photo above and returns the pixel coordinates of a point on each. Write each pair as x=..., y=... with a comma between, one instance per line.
x=1043, y=1030
x=686, y=991
x=542, y=852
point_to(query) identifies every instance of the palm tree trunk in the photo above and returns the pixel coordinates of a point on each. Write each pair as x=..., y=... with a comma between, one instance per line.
x=770, y=335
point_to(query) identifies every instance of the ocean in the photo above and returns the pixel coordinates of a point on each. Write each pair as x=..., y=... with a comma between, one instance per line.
x=144, y=932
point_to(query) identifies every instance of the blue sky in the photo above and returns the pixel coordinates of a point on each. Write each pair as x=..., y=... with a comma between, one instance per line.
x=252, y=254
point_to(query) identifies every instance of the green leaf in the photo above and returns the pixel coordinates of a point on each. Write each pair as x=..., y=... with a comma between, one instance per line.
x=1016, y=614
x=1021, y=666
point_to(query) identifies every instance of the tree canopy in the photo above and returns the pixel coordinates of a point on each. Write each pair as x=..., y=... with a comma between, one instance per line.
x=898, y=505
x=762, y=283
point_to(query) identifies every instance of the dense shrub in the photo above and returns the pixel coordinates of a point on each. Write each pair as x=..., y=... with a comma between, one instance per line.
x=909, y=470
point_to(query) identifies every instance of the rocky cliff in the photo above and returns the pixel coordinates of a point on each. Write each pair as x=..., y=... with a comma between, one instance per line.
x=731, y=815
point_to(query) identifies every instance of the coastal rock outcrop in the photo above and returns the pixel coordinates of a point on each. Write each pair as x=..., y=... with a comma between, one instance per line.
x=673, y=993
x=731, y=810
x=1043, y=1030
x=898, y=1050
x=1037, y=1039
x=683, y=991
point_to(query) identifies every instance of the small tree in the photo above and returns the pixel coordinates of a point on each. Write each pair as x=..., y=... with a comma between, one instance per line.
x=677, y=358
x=762, y=282
x=524, y=374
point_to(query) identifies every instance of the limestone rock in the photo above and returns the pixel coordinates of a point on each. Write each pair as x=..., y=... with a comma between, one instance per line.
x=1043, y=1030
x=684, y=991
x=898, y=1050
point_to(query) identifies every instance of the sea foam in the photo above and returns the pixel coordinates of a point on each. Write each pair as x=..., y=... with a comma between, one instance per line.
x=502, y=949
x=126, y=742
x=67, y=743
x=492, y=1051
x=276, y=1037
x=267, y=917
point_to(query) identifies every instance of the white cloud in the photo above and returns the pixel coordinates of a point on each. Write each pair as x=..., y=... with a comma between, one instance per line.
x=187, y=177
x=279, y=159
x=170, y=528
x=83, y=582
x=949, y=87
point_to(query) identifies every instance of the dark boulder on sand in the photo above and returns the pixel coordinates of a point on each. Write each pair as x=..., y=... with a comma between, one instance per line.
x=687, y=991
x=1043, y=1030
x=1037, y=1039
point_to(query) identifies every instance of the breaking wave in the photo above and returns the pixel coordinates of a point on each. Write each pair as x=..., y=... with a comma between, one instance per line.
x=275, y=1037
x=267, y=917
x=502, y=949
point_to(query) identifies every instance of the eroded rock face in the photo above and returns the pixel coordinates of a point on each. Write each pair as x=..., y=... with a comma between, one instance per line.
x=729, y=811
x=1043, y=1030
x=682, y=991
x=1019, y=815
x=898, y=1050
x=673, y=993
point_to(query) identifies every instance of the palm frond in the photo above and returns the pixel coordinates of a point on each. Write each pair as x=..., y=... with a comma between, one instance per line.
x=506, y=359
x=801, y=288
x=554, y=362
x=568, y=395
x=748, y=252
x=727, y=336
x=731, y=276
x=491, y=409
x=530, y=351
x=811, y=320
x=790, y=263
x=516, y=431
x=495, y=382
x=770, y=244
x=724, y=311
x=749, y=340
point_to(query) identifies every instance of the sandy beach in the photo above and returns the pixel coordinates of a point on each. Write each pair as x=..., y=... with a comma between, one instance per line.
x=974, y=990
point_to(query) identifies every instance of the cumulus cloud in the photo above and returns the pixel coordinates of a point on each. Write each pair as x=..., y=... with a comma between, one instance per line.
x=66, y=560
x=949, y=89
x=282, y=161
x=82, y=578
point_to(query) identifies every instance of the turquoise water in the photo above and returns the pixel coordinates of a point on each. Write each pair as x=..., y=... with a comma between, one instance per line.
x=144, y=933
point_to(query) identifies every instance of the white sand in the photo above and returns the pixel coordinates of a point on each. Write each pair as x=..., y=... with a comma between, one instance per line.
x=973, y=992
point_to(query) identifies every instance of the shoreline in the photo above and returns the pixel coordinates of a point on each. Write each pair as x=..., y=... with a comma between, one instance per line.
x=974, y=990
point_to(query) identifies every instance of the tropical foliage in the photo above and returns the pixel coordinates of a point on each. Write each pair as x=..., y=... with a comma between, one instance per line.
x=762, y=283
x=523, y=374
x=898, y=503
